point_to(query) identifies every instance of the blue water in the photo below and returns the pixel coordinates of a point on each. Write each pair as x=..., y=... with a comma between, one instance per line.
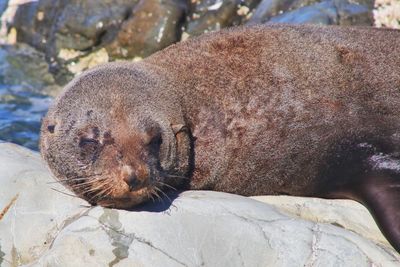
x=22, y=107
x=20, y=115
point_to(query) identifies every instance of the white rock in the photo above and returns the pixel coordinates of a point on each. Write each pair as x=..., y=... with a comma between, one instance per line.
x=29, y=226
x=200, y=228
x=344, y=213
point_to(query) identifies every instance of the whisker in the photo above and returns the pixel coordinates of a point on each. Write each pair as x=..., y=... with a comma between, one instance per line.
x=63, y=193
x=54, y=182
x=65, y=180
x=93, y=199
x=162, y=192
x=87, y=176
x=89, y=182
x=176, y=176
x=77, y=178
x=80, y=187
x=96, y=188
x=106, y=191
x=167, y=185
x=158, y=196
x=150, y=195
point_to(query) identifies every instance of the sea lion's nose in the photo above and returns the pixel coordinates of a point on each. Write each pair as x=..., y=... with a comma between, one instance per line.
x=132, y=181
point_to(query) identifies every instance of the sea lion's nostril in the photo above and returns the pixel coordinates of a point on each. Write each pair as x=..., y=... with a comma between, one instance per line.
x=132, y=182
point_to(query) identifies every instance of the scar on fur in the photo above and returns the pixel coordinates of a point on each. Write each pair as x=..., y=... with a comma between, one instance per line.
x=4, y=211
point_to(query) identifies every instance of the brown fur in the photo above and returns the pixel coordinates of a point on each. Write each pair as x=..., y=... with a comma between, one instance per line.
x=264, y=110
x=274, y=99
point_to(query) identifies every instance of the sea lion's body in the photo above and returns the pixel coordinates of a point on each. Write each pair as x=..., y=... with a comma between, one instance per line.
x=298, y=110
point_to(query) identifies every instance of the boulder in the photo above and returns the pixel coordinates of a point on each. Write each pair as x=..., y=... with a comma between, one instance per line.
x=343, y=213
x=3, y=6
x=81, y=25
x=323, y=13
x=269, y=8
x=386, y=13
x=42, y=224
x=31, y=212
x=205, y=16
x=76, y=24
x=355, y=12
x=151, y=26
x=327, y=12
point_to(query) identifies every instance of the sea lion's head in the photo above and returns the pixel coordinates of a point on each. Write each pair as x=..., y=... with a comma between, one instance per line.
x=109, y=139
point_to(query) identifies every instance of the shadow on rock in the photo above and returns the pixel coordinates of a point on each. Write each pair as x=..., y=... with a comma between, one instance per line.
x=159, y=205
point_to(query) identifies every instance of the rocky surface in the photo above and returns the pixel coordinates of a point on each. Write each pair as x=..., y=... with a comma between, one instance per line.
x=151, y=26
x=40, y=226
x=387, y=13
x=31, y=213
x=22, y=65
x=3, y=5
x=82, y=25
x=327, y=12
x=344, y=213
x=205, y=16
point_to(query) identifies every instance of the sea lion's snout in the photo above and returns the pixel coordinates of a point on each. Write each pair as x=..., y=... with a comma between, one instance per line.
x=135, y=178
x=132, y=182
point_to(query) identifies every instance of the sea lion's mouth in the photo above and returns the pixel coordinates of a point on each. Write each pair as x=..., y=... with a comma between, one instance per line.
x=126, y=201
x=119, y=190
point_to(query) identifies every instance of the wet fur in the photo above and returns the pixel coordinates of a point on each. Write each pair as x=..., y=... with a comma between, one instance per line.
x=298, y=110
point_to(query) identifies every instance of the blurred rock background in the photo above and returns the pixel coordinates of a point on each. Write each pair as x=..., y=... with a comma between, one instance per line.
x=44, y=43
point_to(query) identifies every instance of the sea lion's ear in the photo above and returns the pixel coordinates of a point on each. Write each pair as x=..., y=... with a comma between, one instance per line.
x=177, y=128
x=183, y=149
x=152, y=135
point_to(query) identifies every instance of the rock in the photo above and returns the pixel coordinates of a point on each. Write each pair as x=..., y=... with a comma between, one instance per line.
x=7, y=12
x=323, y=13
x=269, y=8
x=209, y=229
x=205, y=16
x=199, y=228
x=86, y=62
x=83, y=25
x=24, y=66
x=387, y=13
x=339, y=12
x=344, y=213
x=355, y=12
x=3, y=6
x=76, y=24
x=35, y=212
x=302, y=3
x=152, y=25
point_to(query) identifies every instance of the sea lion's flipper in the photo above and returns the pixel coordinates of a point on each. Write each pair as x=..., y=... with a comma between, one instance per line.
x=369, y=174
x=380, y=193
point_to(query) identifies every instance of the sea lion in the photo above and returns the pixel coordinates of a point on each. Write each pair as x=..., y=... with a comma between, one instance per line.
x=277, y=109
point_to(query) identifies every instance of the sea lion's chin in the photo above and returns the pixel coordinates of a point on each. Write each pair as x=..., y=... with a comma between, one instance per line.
x=127, y=199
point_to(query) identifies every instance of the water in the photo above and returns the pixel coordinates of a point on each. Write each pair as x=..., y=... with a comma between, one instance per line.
x=23, y=97
x=20, y=115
